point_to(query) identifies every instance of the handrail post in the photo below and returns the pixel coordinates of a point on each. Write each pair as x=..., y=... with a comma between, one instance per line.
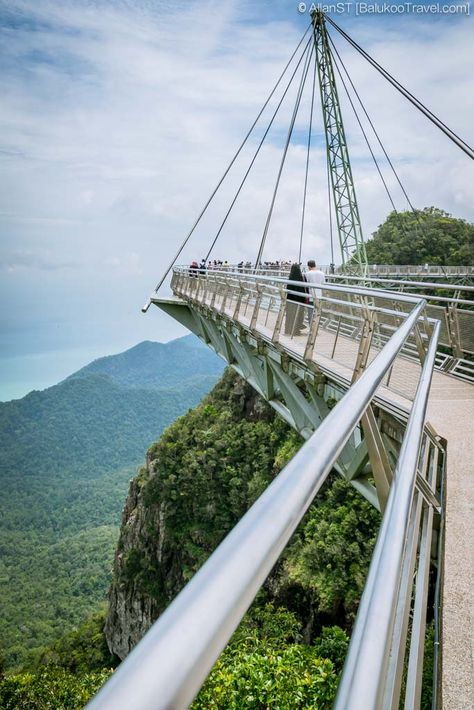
x=280, y=316
x=239, y=301
x=313, y=331
x=253, y=320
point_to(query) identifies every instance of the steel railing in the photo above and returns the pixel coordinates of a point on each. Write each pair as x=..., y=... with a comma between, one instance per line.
x=456, y=315
x=167, y=668
x=372, y=269
x=338, y=315
x=455, y=312
x=365, y=681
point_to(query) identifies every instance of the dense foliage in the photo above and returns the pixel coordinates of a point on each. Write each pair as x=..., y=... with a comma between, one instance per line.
x=204, y=472
x=82, y=650
x=330, y=553
x=266, y=666
x=67, y=455
x=208, y=468
x=263, y=666
x=291, y=676
x=50, y=688
x=428, y=236
x=67, y=674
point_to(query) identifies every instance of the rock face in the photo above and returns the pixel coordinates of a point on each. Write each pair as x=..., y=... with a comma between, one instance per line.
x=197, y=482
x=131, y=612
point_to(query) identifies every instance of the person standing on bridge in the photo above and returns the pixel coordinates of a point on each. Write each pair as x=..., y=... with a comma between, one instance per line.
x=295, y=302
x=313, y=275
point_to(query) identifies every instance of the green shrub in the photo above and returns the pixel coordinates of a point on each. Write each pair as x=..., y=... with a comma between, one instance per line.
x=50, y=689
x=292, y=677
x=332, y=643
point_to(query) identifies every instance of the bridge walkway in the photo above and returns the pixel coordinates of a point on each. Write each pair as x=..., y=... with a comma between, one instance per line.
x=450, y=412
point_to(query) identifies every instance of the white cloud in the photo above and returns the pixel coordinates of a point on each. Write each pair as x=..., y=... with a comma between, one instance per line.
x=118, y=118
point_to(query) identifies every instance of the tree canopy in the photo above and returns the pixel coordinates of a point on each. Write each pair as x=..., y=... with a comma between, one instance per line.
x=428, y=236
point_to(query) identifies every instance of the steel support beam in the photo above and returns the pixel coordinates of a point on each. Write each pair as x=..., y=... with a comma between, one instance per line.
x=300, y=402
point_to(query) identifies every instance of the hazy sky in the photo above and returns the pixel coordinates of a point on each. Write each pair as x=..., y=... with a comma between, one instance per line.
x=117, y=118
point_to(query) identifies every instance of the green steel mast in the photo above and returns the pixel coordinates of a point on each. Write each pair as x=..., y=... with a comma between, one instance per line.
x=342, y=183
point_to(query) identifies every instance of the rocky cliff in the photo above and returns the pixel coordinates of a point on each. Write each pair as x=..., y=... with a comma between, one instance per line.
x=197, y=482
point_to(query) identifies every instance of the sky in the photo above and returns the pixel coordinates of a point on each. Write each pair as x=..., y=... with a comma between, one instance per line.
x=117, y=119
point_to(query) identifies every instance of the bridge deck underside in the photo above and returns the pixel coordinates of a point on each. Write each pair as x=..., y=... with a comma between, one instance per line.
x=451, y=412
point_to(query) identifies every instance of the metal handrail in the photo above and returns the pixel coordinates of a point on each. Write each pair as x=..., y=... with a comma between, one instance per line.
x=373, y=270
x=271, y=280
x=420, y=268
x=167, y=668
x=405, y=282
x=456, y=315
x=377, y=292
x=283, y=273
x=370, y=641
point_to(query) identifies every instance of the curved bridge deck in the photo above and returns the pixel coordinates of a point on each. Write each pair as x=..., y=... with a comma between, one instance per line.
x=340, y=338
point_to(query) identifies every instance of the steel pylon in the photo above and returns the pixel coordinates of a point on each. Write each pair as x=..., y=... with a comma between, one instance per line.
x=353, y=253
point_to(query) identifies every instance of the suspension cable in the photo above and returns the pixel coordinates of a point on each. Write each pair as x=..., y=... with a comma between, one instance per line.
x=227, y=170
x=387, y=157
x=307, y=161
x=413, y=100
x=303, y=54
x=365, y=135
x=285, y=151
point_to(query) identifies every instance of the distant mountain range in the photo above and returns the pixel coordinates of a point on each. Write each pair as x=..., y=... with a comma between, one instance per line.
x=67, y=453
x=106, y=414
x=157, y=365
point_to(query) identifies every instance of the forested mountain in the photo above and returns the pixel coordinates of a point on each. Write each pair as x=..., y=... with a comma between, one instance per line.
x=67, y=454
x=156, y=365
x=198, y=480
x=74, y=423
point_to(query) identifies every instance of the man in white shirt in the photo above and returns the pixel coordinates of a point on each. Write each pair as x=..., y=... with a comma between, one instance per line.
x=314, y=276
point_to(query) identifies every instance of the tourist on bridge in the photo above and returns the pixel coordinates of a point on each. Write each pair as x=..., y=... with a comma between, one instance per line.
x=314, y=276
x=295, y=302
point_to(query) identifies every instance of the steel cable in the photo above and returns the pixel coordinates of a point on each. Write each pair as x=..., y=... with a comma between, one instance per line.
x=285, y=152
x=256, y=153
x=407, y=94
x=307, y=161
x=226, y=172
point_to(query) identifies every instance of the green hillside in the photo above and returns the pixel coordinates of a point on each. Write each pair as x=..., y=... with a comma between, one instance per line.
x=67, y=455
x=88, y=424
x=156, y=365
x=199, y=478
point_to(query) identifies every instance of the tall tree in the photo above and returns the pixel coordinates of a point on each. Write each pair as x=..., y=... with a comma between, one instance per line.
x=428, y=236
